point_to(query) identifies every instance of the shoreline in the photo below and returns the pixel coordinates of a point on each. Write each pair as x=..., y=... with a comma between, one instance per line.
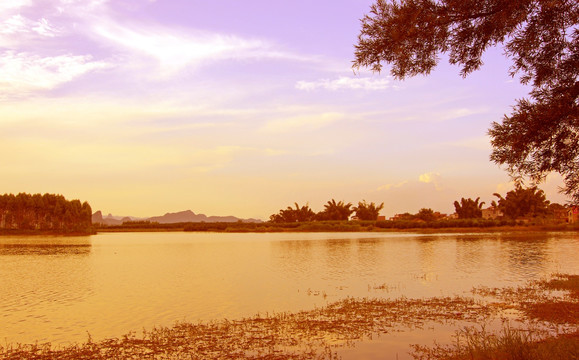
x=419, y=230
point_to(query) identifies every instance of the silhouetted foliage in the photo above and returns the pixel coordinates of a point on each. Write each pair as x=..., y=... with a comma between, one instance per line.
x=46, y=212
x=335, y=211
x=426, y=215
x=468, y=208
x=542, y=39
x=365, y=211
x=289, y=215
x=523, y=202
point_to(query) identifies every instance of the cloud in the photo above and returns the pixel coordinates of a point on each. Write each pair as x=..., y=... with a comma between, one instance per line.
x=344, y=82
x=392, y=186
x=19, y=25
x=23, y=72
x=7, y=5
x=300, y=123
x=175, y=50
x=431, y=178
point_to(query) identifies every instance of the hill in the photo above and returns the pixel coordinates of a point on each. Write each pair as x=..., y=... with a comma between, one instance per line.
x=169, y=218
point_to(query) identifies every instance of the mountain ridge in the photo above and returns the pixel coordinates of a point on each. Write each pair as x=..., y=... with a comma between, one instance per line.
x=168, y=218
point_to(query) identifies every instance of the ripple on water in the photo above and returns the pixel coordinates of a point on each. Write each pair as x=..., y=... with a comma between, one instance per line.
x=115, y=283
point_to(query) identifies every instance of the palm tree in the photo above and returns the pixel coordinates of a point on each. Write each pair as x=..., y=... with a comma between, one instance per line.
x=289, y=215
x=469, y=208
x=523, y=202
x=336, y=211
x=365, y=211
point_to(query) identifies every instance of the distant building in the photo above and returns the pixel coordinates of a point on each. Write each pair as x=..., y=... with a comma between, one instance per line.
x=573, y=214
x=381, y=218
x=452, y=216
x=492, y=212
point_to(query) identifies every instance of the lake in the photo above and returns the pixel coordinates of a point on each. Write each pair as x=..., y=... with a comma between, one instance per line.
x=60, y=289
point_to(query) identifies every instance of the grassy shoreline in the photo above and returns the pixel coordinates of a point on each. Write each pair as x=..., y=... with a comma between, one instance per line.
x=320, y=333
x=340, y=228
x=453, y=226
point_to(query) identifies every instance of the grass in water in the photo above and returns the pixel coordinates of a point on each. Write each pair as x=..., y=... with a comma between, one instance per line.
x=317, y=334
x=472, y=343
x=537, y=303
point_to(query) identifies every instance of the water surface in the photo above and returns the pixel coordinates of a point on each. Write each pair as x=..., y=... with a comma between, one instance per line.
x=59, y=289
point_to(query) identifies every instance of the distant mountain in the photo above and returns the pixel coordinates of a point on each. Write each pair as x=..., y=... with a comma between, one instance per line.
x=97, y=217
x=190, y=216
x=169, y=218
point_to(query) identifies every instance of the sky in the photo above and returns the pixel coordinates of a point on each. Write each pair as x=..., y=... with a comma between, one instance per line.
x=224, y=107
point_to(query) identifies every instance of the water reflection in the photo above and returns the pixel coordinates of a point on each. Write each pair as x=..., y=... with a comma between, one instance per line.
x=15, y=249
x=470, y=254
x=42, y=279
x=40, y=245
x=527, y=254
x=294, y=256
x=370, y=255
x=56, y=289
x=338, y=257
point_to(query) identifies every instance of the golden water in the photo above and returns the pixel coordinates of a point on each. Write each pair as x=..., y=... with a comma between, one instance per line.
x=59, y=289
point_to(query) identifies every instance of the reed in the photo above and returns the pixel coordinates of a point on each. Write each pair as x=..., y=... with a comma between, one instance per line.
x=319, y=333
x=472, y=343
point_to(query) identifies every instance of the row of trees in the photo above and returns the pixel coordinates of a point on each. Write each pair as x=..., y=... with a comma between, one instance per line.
x=520, y=202
x=44, y=212
x=517, y=203
x=332, y=211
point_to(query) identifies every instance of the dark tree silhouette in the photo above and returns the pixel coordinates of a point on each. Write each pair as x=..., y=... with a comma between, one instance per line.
x=425, y=215
x=468, y=208
x=523, y=202
x=365, y=211
x=335, y=211
x=299, y=214
x=540, y=36
x=44, y=212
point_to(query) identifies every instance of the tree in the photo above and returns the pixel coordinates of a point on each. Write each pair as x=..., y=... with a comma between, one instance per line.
x=540, y=36
x=299, y=214
x=426, y=215
x=523, y=202
x=44, y=212
x=365, y=211
x=335, y=211
x=469, y=208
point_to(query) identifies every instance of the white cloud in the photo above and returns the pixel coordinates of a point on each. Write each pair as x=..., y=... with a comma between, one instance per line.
x=343, y=82
x=431, y=178
x=8, y=5
x=22, y=72
x=175, y=50
x=455, y=113
x=19, y=25
x=392, y=186
x=79, y=6
x=305, y=122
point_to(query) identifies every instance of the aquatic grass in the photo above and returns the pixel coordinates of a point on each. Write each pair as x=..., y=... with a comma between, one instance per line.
x=318, y=333
x=554, y=332
x=310, y=334
x=477, y=343
x=564, y=282
x=555, y=300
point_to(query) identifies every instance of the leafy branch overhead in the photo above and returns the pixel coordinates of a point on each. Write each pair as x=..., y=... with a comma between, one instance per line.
x=541, y=37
